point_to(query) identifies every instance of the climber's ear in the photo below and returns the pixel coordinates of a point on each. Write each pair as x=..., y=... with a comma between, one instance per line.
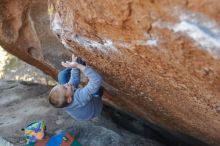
x=69, y=99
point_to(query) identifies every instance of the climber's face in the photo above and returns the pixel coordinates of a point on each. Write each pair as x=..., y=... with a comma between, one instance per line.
x=69, y=92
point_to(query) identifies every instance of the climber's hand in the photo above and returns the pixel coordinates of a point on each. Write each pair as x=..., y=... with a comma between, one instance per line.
x=69, y=64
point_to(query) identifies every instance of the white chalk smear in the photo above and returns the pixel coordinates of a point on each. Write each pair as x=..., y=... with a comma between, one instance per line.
x=66, y=33
x=56, y=24
x=152, y=42
x=123, y=44
x=203, y=35
x=105, y=46
x=204, y=31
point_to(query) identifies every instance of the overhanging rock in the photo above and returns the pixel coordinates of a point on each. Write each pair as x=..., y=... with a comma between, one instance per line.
x=25, y=33
x=160, y=59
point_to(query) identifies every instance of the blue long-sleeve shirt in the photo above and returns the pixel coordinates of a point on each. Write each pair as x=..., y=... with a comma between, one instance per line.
x=74, y=77
x=84, y=105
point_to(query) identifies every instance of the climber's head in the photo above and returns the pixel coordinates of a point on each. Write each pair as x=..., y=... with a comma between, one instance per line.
x=61, y=95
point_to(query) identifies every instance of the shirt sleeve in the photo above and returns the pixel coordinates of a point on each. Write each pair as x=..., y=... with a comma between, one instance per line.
x=95, y=80
x=74, y=77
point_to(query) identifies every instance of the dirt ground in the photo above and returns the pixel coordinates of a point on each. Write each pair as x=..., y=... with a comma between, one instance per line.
x=25, y=102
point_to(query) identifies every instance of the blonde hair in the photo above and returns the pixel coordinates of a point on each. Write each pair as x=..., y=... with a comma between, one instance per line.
x=57, y=96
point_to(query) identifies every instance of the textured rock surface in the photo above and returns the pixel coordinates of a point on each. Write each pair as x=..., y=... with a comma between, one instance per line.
x=25, y=33
x=159, y=58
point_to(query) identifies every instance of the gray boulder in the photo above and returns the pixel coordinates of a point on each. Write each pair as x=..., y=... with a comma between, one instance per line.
x=24, y=102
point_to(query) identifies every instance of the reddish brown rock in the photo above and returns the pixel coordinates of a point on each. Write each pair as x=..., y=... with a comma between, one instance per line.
x=160, y=59
x=25, y=33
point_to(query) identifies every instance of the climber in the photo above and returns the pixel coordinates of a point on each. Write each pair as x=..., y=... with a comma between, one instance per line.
x=81, y=103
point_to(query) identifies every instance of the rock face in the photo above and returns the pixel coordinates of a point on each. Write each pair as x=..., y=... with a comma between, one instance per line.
x=159, y=59
x=25, y=33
